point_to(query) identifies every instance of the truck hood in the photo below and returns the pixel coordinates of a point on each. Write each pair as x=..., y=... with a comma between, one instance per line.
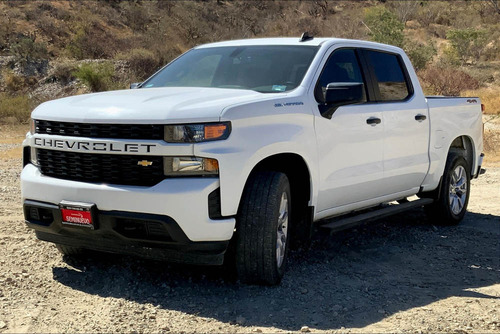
x=146, y=106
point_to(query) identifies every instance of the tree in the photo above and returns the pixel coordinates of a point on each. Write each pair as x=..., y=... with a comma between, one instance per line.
x=384, y=26
x=468, y=43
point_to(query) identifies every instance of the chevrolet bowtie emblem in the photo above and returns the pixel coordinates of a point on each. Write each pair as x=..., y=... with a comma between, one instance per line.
x=144, y=163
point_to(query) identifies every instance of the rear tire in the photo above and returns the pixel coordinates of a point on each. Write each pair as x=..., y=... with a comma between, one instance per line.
x=70, y=250
x=450, y=206
x=262, y=230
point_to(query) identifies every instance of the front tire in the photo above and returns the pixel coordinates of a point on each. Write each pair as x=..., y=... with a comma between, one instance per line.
x=451, y=205
x=262, y=232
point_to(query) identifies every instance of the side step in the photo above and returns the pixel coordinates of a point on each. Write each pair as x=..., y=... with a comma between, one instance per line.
x=345, y=223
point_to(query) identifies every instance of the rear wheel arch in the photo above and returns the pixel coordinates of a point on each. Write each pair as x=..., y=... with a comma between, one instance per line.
x=464, y=145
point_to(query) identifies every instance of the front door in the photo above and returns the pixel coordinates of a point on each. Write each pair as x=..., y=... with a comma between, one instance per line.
x=350, y=144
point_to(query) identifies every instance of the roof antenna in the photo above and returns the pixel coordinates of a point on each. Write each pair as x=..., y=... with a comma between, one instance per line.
x=306, y=37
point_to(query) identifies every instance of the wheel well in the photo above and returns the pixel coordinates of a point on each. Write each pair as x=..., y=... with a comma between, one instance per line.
x=295, y=168
x=464, y=144
x=297, y=172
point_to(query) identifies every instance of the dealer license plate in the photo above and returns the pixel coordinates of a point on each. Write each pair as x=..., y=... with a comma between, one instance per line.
x=78, y=214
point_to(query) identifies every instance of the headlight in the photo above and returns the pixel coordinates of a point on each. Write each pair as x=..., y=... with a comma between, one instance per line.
x=190, y=166
x=195, y=133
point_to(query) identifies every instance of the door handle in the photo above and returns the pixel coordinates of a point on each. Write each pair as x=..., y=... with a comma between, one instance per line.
x=420, y=117
x=373, y=121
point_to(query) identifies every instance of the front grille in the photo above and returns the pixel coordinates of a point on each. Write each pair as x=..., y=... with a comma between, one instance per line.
x=101, y=168
x=114, y=131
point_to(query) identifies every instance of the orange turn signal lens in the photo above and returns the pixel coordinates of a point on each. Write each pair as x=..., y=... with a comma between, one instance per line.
x=211, y=165
x=214, y=131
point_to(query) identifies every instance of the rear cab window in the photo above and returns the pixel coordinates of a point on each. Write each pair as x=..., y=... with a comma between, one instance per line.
x=391, y=82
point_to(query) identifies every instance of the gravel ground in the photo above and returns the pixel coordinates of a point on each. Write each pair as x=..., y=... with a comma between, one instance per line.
x=400, y=274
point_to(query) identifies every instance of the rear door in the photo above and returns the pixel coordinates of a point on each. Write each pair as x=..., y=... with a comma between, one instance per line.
x=406, y=122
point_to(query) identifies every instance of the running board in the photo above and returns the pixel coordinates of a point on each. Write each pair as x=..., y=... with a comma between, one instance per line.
x=345, y=223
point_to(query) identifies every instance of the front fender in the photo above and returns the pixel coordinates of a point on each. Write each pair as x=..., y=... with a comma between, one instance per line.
x=252, y=141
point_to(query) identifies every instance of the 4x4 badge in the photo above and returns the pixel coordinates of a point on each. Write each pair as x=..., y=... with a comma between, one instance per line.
x=144, y=163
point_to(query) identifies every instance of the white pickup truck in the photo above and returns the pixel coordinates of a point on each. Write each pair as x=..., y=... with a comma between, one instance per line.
x=235, y=149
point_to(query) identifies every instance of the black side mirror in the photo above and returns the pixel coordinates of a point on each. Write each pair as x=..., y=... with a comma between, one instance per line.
x=135, y=85
x=341, y=94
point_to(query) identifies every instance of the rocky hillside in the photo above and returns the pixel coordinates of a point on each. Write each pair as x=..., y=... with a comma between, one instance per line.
x=50, y=49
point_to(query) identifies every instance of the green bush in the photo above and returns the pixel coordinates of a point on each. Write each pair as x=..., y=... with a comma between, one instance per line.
x=468, y=43
x=27, y=49
x=97, y=77
x=385, y=27
x=450, y=56
x=18, y=106
x=420, y=54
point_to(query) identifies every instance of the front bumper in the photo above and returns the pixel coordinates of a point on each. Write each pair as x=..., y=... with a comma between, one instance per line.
x=185, y=200
x=150, y=236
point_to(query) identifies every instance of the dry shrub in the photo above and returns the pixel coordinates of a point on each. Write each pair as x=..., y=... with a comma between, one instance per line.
x=52, y=30
x=93, y=41
x=143, y=63
x=405, y=10
x=137, y=16
x=446, y=81
x=13, y=82
x=490, y=97
x=63, y=71
x=491, y=141
x=18, y=107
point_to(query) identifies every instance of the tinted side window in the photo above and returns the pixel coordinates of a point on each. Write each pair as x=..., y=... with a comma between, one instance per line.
x=389, y=75
x=342, y=66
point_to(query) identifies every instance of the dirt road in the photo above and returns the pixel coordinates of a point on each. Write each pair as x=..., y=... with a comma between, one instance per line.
x=395, y=275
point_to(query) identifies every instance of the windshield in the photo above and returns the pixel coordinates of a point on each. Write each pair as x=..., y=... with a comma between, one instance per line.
x=266, y=69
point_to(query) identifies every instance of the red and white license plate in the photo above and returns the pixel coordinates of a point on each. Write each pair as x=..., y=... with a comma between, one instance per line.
x=78, y=213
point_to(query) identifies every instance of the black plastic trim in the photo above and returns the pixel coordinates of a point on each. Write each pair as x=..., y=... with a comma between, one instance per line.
x=26, y=155
x=107, y=238
x=214, y=205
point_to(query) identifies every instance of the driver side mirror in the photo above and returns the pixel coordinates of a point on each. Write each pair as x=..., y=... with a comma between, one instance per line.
x=341, y=94
x=135, y=85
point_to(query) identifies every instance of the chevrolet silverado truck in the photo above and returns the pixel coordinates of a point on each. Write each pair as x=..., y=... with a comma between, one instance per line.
x=235, y=150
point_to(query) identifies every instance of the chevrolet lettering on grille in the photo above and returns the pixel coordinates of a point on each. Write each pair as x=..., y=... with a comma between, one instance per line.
x=86, y=146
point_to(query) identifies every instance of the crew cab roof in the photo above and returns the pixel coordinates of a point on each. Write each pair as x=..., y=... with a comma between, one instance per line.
x=317, y=41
